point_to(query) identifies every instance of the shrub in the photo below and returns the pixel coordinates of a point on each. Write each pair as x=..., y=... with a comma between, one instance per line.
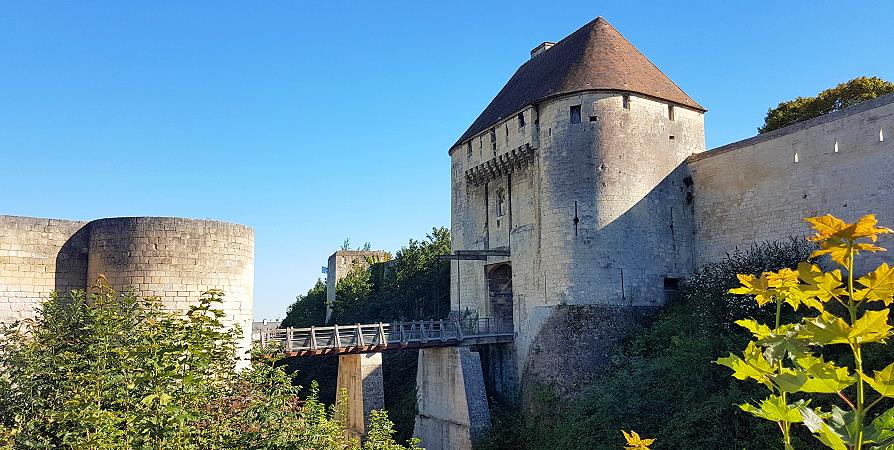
x=109, y=370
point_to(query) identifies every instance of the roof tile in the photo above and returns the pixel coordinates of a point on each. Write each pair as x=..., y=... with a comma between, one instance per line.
x=595, y=57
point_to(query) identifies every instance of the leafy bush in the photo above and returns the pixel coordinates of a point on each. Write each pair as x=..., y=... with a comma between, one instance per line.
x=113, y=371
x=662, y=381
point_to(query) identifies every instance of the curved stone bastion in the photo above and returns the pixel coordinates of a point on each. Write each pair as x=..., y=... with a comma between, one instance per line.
x=172, y=258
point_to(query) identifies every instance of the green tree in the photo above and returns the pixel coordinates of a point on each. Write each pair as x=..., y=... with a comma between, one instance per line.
x=114, y=371
x=308, y=309
x=842, y=96
x=414, y=285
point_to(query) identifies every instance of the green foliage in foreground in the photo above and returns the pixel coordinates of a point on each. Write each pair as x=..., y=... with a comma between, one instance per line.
x=842, y=96
x=845, y=311
x=113, y=371
x=662, y=382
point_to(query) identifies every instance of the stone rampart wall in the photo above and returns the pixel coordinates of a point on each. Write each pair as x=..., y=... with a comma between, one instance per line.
x=171, y=258
x=37, y=257
x=762, y=188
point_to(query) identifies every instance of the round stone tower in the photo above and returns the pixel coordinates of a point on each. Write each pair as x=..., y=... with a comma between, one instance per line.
x=570, y=205
x=177, y=260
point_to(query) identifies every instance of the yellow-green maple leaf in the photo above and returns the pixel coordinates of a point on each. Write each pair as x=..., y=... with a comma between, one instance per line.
x=878, y=285
x=759, y=287
x=814, y=376
x=837, y=238
x=635, y=442
x=831, y=329
x=872, y=327
x=754, y=365
x=822, y=286
x=882, y=381
x=826, y=329
x=775, y=409
x=759, y=330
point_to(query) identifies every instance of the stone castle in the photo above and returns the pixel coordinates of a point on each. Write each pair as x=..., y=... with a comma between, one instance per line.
x=583, y=193
x=170, y=258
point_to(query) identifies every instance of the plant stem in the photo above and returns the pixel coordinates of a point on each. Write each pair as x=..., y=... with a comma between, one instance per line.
x=786, y=426
x=855, y=347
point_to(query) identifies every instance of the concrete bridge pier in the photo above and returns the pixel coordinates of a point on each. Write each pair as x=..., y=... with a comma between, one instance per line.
x=360, y=376
x=451, y=399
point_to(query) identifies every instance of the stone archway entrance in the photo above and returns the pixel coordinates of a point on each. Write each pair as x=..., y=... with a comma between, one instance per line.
x=499, y=286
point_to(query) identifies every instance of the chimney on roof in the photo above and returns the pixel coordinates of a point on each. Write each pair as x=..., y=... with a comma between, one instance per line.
x=541, y=48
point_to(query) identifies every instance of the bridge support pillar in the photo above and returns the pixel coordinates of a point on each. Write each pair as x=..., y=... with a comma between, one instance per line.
x=451, y=399
x=360, y=377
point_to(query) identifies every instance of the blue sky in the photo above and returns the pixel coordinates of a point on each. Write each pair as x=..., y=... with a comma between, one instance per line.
x=313, y=122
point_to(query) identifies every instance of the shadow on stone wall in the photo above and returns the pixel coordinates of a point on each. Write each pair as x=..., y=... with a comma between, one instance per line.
x=71, y=262
x=577, y=343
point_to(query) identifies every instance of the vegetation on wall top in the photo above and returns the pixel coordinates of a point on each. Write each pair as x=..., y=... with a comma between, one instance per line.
x=837, y=98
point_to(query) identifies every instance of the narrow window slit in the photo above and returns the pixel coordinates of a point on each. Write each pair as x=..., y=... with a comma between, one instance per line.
x=575, y=114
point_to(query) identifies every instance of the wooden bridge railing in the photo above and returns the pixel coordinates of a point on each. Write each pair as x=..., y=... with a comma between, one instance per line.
x=385, y=336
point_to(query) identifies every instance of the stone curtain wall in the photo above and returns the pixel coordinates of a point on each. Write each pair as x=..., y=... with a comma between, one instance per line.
x=174, y=259
x=177, y=260
x=38, y=256
x=754, y=191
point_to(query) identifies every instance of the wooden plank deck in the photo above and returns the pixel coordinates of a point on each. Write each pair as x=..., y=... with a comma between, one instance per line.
x=381, y=337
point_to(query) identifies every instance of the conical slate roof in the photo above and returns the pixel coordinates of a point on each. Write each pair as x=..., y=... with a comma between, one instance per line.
x=595, y=57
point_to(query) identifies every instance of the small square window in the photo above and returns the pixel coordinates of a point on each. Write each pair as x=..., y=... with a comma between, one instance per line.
x=671, y=284
x=625, y=101
x=670, y=112
x=575, y=114
x=521, y=121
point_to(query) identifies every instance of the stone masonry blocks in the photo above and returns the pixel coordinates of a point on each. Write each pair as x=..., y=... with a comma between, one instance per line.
x=360, y=378
x=171, y=258
x=452, y=403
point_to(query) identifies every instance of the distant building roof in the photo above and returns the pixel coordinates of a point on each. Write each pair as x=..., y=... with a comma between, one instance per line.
x=595, y=57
